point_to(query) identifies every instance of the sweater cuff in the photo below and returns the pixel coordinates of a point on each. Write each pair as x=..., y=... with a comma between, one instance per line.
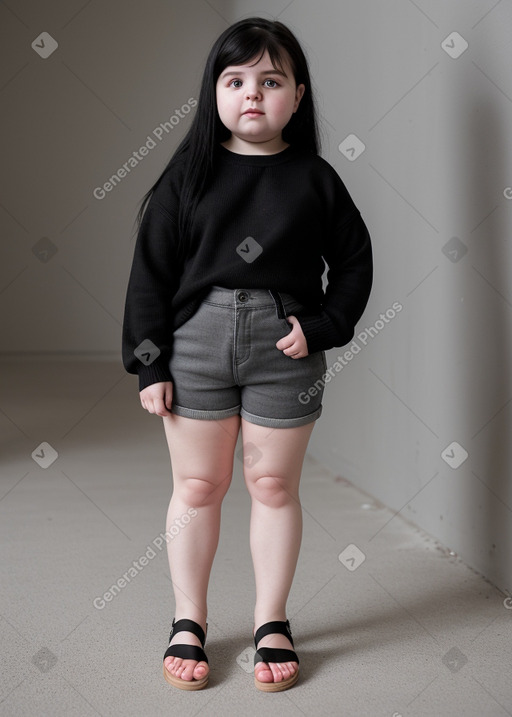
x=154, y=373
x=321, y=333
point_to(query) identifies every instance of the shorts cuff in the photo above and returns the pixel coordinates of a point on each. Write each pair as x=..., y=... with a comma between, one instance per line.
x=281, y=422
x=205, y=415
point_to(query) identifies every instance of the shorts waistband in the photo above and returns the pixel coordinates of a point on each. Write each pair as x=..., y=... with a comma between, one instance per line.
x=249, y=298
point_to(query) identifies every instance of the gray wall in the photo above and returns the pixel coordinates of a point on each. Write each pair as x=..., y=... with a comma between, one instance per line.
x=433, y=183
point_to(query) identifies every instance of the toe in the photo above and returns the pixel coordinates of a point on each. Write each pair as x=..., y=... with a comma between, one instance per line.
x=263, y=673
x=277, y=672
x=285, y=671
x=282, y=670
x=186, y=669
x=187, y=673
x=200, y=670
x=172, y=664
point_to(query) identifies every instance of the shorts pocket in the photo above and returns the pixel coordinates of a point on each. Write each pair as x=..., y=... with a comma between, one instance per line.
x=290, y=307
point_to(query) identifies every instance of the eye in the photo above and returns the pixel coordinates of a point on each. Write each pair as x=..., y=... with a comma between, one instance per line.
x=233, y=83
x=271, y=86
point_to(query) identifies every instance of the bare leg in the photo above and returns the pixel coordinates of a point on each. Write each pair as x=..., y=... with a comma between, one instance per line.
x=276, y=527
x=202, y=464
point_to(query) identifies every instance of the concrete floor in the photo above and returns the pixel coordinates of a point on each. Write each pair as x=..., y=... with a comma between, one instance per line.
x=410, y=631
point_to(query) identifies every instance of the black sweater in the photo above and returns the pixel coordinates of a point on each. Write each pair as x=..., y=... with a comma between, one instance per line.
x=296, y=210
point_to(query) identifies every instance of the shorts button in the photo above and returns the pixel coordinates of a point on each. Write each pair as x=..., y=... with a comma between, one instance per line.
x=242, y=296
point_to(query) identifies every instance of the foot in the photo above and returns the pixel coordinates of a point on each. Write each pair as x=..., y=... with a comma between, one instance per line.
x=275, y=671
x=186, y=670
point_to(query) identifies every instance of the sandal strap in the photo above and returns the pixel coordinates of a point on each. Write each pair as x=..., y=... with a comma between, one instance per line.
x=268, y=628
x=274, y=654
x=185, y=625
x=187, y=652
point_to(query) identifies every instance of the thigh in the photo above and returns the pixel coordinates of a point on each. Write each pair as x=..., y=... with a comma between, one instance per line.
x=275, y=452
x=201, y=449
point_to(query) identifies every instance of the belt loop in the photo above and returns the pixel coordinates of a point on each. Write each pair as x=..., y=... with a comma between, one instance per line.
x=281, y=314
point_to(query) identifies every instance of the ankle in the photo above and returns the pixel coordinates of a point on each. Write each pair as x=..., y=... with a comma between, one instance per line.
x=194, y=615
x=261, y=618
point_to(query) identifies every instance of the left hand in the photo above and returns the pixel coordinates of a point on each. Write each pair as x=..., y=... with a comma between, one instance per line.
x=293, y=344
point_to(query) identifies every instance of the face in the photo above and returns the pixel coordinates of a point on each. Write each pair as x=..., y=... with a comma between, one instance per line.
x=255, y=102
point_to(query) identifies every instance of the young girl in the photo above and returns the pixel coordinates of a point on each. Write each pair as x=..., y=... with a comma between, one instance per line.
x=227, y=323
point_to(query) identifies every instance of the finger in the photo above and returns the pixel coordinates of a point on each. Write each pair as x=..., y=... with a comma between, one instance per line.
x=160, y=408
x=286, y=341
x=295, y=352
x=293, y=320
x=292, y=348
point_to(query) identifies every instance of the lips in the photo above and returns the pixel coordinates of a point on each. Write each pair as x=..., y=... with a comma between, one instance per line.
x=253, y=111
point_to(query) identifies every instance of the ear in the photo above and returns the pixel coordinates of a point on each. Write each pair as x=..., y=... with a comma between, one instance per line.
x=299, y=93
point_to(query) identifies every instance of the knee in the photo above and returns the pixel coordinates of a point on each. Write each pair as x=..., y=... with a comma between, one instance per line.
x=271, y=491
x=199, y=492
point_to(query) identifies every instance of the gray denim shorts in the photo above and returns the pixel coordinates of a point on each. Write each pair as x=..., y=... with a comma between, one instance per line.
x=225, y=362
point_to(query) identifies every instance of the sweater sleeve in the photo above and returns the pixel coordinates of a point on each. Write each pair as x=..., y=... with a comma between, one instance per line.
x=154, y=278
x=348, y=255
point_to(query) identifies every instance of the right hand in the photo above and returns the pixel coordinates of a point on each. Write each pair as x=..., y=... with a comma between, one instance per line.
x=157, y=398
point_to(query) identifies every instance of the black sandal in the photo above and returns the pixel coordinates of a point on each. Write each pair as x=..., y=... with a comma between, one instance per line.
x=186, y=652
x=273, y=654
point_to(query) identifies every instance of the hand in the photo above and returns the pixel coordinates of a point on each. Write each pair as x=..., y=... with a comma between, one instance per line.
x=293, y=344
x=157, y=398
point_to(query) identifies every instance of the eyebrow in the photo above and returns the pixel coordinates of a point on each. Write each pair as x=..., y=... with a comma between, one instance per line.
x=265, y=72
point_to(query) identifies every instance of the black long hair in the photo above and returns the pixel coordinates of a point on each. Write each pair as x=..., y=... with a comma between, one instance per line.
x=237, y=45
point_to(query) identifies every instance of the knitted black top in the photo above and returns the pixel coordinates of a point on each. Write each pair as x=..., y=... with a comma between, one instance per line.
x=266, y=221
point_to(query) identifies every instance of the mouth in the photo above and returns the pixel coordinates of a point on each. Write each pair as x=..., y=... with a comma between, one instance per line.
x=253, y=112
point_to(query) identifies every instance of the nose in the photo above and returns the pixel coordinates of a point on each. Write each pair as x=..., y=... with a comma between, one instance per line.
x=252, y=91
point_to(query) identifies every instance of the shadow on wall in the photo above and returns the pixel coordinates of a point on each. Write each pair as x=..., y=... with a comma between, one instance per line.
x=484, y=412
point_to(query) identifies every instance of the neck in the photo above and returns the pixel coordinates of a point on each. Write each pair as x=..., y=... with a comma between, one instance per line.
x=241, y=146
